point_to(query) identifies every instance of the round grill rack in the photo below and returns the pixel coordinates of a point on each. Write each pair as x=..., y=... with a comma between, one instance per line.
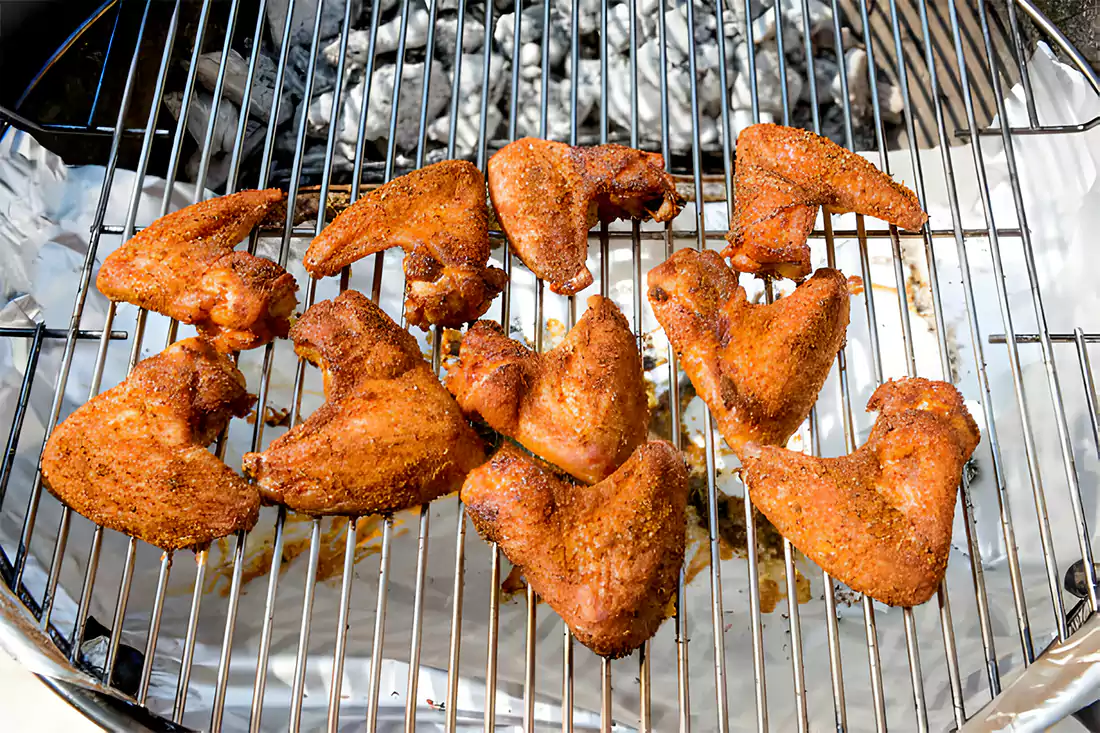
x=773, y=680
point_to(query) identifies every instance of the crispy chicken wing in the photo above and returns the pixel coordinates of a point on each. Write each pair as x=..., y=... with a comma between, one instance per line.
x=758, y=367
x=133, y=459
x=783, y=174
x=439, y=217
x=184, y=266
x=547, y=196
x=389, y=435
x=605, y=557
x=582, y=405
x=880, y=518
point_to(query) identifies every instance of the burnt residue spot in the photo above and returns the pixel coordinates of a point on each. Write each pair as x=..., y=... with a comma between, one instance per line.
x=972, y=470
x=490, y=437
x=660, y=420
x=274, y=417
x=657, y=294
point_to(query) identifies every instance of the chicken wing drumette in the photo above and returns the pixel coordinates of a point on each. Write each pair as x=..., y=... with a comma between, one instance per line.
x=880, y=518
x=438, y=215
x=388, y=437
x=581, y=405
x=758, y=367
x=783, y=175
x=133, y=459
x=547, y=195
x=605, y=557
x=184, y=266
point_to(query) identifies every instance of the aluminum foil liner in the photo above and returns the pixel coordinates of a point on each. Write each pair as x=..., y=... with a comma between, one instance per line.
x=46, y=213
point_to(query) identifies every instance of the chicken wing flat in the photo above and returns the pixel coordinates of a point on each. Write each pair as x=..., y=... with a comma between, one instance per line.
x=438, y=215
x=782, y=175
x=547, y=196
x=758, y=367
x=133, y=459
x=880, y=518
x=184, y=266
x=605, y=557
x=388, y=437
x=581, y=405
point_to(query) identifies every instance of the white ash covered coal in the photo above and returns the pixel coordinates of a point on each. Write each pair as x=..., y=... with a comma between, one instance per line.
x=772, y=77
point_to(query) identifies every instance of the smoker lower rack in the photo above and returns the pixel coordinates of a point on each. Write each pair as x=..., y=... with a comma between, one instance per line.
x=695, y=709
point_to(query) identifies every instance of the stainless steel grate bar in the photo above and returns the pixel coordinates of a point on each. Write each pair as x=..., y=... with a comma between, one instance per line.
x=683, y=682
x=458, y=589
x=912, y=647
x=21, y=413
x=261, y=402
x=78, y=309
x=974, y=550
x=722, y=705
x=751, y=551
x=644, y=657
x=1089, y=384
x=336, y=683
x=991, y=430
x=1034, y=338
x=491, y=634
x=306, y=232
x=97, y=538
x=831, y=626
x=298, y=684
x=1014, y=357
x=352, y=529
x=1065, y=442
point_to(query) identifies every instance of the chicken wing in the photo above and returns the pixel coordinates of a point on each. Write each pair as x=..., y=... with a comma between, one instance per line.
x=880, y=518
x=605, y=557
x=783, y=174
x=388, y=436
x=133, y=458
x=581, y=406
x=758, y=367
x=547, y=196
x=439, y=217
x=184, y=266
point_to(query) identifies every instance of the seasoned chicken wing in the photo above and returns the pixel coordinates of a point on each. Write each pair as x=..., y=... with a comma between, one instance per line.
x=389, y=435
x=438, y=215
x=758, y=367
x=184, y=266
x=547, y=196
x=880, y=518
x=133, y=459
x=783, y=174
x=581, y=405
x=605, y=557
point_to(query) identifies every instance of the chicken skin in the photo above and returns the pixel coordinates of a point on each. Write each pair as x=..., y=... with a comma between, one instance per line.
x=133, y=459
x=605, y=557
x=880, y=518
x=547, y=196
x=581, y=405
x=758, y=367
x=184, y=266
x=438, y=215
x=388, y=437
x=782, y=175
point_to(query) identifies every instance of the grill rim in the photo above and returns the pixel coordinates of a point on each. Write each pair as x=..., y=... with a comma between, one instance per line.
x=1044, y=337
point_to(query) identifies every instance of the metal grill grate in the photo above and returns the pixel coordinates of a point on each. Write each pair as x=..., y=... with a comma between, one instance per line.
x=703, y=704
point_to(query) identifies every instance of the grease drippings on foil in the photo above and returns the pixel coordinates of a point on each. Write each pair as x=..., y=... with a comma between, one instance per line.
x=732, y=534
x=260, y=549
